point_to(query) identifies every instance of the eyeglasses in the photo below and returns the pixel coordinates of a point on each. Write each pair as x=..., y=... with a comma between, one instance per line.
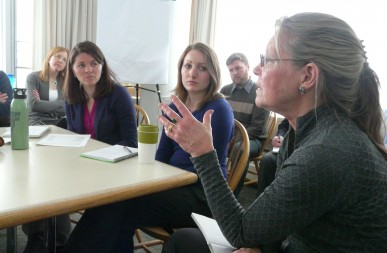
x=264, y=60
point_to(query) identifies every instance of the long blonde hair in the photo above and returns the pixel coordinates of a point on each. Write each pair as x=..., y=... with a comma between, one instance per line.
x=212, y=64
x=43, y=75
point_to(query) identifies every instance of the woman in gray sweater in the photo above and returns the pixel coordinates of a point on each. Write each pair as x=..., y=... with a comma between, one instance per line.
x=44, y=89
x=46, y=104
x=329, y=194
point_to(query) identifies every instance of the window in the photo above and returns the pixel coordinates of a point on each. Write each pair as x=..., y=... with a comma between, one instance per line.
x=247, y=25
x=24, y=37
x=16, y=47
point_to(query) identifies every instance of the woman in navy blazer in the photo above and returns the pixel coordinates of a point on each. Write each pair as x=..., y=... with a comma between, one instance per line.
x=96, y=103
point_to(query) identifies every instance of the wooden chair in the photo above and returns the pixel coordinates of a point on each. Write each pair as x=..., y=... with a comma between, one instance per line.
x=235, y=169
x=141, y=118
x=266, y=147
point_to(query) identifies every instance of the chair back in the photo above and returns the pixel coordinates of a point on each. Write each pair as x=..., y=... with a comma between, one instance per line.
x=271, y=130
x=239, y=149
x=235, y=168
x=272, y=124
x=141, y=116
x=266, y=146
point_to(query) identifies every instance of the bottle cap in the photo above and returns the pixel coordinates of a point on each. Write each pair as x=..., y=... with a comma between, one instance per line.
x=19, y=93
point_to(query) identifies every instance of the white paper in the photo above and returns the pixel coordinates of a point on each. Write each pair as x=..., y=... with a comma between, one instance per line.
x=111, y=154
x=33, y=131
x=139, y=52
x=65, y=140
x=214, y=248
x=6, y=140
x=275, y=149
x=212, y=233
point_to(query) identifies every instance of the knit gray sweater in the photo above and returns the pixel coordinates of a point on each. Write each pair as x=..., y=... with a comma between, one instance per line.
x=329, y=194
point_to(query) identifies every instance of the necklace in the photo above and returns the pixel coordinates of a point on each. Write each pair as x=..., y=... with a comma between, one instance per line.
x=54, y=83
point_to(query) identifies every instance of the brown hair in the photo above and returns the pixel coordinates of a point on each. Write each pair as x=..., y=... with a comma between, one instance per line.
x=237, y=57
x=73, y=90
x=212, y=65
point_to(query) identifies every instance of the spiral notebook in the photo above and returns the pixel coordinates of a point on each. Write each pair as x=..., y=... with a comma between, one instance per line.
x=112, y=154
x=216, y=241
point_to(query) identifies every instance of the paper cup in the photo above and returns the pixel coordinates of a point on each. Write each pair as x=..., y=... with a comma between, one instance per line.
x=147, y=143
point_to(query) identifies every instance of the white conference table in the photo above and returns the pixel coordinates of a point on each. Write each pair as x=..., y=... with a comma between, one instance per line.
x=46, y=181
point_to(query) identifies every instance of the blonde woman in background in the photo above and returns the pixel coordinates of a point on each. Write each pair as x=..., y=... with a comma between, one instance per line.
x=45, y=89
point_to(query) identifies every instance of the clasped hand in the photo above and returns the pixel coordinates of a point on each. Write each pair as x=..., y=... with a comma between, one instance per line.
x=3, y=97
x=193, y=136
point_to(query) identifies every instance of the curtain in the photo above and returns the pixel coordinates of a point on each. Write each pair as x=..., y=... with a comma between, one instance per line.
x=203, y=17
x=62, y=23
x=41, y=39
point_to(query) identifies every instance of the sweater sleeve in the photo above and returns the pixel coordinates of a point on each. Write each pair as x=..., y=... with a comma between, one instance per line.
x=126, y=115
x=42, y=104
x=222, y=123
x=5, y=88
x=298, y=196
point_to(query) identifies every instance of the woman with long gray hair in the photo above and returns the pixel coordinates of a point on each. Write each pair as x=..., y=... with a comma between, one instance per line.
x=329, y=194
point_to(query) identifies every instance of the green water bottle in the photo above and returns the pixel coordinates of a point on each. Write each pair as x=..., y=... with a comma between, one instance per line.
x=19, y=119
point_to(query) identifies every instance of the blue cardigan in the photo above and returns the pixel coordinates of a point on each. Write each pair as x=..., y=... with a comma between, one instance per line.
x=115, y=118
x=5, y=87
x=222, y=124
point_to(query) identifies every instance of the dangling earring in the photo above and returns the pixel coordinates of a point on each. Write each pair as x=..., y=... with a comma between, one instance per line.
x=301, y=90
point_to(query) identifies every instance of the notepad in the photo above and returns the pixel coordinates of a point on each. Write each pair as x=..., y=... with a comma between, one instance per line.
x=112, y=154
x=212, y=233
x=33, y=131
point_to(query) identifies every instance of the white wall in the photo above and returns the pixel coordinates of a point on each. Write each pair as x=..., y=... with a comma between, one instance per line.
x=178, y=39
x=247, y=25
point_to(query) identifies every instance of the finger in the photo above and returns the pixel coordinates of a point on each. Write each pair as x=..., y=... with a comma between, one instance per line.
x=207, y=118
x=164, y=121
x=169, y=112
x=181, y=107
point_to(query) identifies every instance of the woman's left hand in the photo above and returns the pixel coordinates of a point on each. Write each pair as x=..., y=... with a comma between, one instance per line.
x=192, y=135
x=36, y=94
x=3, y=97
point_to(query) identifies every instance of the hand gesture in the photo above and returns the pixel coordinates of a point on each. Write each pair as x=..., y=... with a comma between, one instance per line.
x=193, y=136
x=276, y=141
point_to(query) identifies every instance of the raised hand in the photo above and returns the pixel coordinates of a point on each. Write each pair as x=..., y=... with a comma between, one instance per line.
x=192, y=135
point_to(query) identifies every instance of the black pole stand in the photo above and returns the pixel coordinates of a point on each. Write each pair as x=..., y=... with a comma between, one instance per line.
x=155, y=91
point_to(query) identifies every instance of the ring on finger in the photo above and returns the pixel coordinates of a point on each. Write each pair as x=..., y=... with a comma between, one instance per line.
x=170, y=127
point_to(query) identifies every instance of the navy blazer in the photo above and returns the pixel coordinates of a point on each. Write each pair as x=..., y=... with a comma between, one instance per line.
x=115, y=118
